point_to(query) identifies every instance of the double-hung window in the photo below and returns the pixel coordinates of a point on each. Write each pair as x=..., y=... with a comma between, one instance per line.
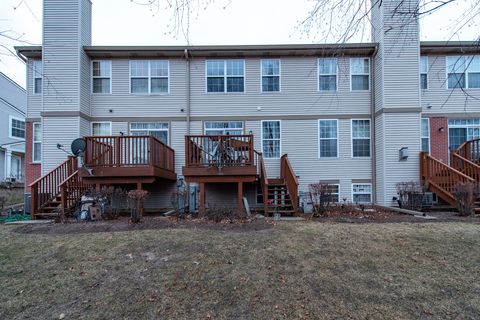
x=327, y=74
x=17, y=128
x=101, y=76
x=157, y=129
x=270, y=75
x=101, y=128
x=425, y=134
x=149, y=77
x=37, y=76
x=361, y=138
x=37, y=142
x=223, y=128
x=328, y=138
x=424, y=73
x=225, y=75
x=360, y=73
x=463, y=72
x=362, y=193
x=271, y=139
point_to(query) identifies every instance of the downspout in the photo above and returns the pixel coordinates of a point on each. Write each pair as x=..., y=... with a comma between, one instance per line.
x=188, y=90
x=372, y=114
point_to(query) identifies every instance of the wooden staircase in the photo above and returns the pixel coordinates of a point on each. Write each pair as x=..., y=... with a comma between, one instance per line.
x=464, y=167
x=58, y=191
x=279, y=195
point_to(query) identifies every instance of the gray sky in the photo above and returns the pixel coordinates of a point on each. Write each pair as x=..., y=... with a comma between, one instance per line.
x=122, y=22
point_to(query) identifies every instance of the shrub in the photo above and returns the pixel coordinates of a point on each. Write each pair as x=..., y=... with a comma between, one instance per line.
x=410, y=195
x=219, y=214
x=465, y=194
x=136, y=199
x=321, y=197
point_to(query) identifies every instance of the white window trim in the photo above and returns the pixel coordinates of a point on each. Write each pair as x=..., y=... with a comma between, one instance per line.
x=34, y=141
x=318, y=138
x=92, y=77
x=34, y=77
x=261, y=134
x=361, y=74
x=324, y=74
x=225, y=77
x=222, y=129
x=109, y=122
x=371, y=192
x=339, y=193
x=369, y=138
x=167, y=130
x=10, y=118
x=466, y=73
x=425, y=137
x=425, y=73
x=279, y=77
x=149, y=78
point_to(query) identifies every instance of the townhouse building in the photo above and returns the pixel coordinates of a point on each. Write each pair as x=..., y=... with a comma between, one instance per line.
x=13, y=105
x=260, y=121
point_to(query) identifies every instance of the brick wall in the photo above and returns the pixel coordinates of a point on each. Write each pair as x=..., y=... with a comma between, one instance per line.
x=439, y=138
x=32, y=170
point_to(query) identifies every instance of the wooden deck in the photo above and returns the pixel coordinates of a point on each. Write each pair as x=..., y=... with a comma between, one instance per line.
x=127, y=159
x=221, y=158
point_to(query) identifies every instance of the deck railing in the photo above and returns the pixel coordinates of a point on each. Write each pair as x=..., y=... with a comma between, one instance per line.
x=291, y=181
x=128, y=151
x=47, y=188
x=219, y=150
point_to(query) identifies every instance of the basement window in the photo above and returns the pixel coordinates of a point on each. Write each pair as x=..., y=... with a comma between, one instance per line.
x=362, y=193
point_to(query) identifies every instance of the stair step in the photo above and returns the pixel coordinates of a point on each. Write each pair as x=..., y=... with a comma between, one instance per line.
x=276, y=181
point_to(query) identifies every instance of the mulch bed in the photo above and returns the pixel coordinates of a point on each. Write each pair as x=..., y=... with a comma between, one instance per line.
x=336, y=215
x=380, y=215
x=147, y=223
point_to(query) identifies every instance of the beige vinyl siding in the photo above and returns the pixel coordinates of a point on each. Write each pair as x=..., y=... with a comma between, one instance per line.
x=299, y=95
x=299, y=92
x=300, y=142
x=380, y=158
x=160, y=194
x=118, y=127
x=398, y=135
x=85, y=127
x=125, y=104
x=34, y=101
x=401, y=74
x=57, y=130
x=443, y=100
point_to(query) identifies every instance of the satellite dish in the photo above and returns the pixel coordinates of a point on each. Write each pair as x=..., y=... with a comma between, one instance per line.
x=78, y=146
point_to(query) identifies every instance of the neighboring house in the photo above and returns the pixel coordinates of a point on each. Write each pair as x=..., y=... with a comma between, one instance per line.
x=13, y=106
x=352, y=115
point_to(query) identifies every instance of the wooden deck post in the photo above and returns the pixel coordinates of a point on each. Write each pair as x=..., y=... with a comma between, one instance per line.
x=201, y=208
x=240, y=197
x=139, y=186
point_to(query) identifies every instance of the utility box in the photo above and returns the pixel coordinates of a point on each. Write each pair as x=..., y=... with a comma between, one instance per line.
x=27, y=203
x=403, y=154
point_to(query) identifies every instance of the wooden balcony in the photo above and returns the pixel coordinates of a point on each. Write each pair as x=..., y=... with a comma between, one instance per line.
x=220, y=158
x=127, y=159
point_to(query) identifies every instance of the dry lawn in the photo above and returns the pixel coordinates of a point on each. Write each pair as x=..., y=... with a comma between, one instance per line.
x=302, y=270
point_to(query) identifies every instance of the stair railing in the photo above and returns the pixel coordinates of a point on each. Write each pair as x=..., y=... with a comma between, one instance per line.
x=262, y=175
x=47, y=187
x=440, y=177
x=291, y=181
x=71, y=191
